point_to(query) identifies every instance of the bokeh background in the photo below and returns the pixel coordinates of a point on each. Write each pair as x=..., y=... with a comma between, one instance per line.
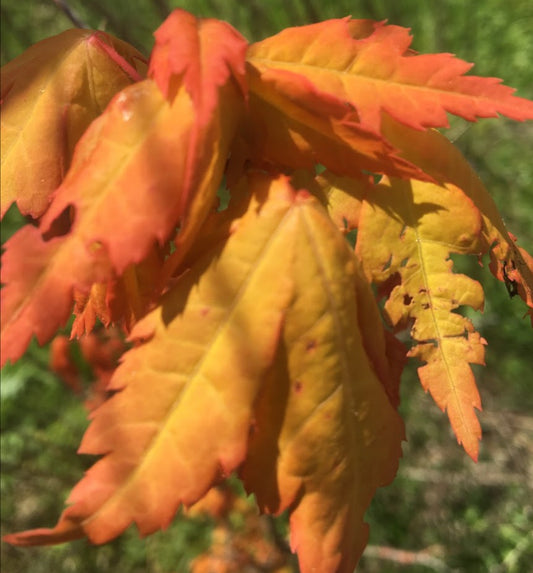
x=443, y=512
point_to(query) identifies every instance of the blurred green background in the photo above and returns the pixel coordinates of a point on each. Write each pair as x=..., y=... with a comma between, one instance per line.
x=443, y=513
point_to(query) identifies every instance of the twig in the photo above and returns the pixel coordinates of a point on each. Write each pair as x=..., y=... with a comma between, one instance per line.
x=405, y=557
x=311, y=13
x=479, y=475
x=162, y=7
x=67, y=10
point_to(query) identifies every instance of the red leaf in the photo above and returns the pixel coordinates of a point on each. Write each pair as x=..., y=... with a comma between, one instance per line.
x=201, y=54
x=38, y=295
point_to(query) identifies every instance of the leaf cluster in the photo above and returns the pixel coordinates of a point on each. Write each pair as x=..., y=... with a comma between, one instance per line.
x=257, y=342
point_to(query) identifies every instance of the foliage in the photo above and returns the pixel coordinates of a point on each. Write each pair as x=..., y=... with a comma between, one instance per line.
x=263, y=315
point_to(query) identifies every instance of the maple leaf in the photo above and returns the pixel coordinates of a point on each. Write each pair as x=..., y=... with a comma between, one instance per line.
x=206, y=52
x=408, y=230
x=369, y=67
x=343, y=198
x=62, y=364
x=293, y=123
x=325, y=434
x=441, y=159
x=209, y=344
x=37, y=298
x=267, y=321
x=50, y=95
x=123, y=300
x=100, y=351
x=143, y=158
x=237, y=547
x=204, y=56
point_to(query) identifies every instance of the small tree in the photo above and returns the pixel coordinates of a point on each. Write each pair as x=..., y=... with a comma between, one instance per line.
x=258, y=345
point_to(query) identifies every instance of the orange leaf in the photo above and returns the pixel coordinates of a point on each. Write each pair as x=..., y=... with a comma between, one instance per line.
x=325, y=434
x=374, y=71
x=121, y=301
x=50, y=95
x=40, y=277
x=205, y=57
x=408, y=230
x=292, y=123
x=209, y=344
x=186, y=46
x=132, y=172
x=90, y=306
x=62, y=364
x=100, y=351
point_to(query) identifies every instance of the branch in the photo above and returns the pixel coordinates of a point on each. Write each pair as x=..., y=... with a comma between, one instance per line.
x=162, y=7
x=311, y=13
x=483, y=475
x=405, y=557
x=67, y=10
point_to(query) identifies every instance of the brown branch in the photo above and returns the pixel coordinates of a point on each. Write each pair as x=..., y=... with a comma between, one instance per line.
x=311, y=13
x=67, y=10
x=482, y=475
x=405, y=557
x=114, y=24
x=162, y=7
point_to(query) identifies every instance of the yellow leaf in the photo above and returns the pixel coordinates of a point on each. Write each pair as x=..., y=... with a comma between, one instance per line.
x=442, y=160
x=325, y=434
x=180, y=418
x=50, y=94
x=406, y=233
x=343, y=198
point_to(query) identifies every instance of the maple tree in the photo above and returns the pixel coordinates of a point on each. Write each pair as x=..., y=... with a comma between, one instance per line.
x=260, y=341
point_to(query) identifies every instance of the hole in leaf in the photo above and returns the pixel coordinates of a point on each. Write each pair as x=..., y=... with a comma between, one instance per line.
x=387, y=265
x=377, y=177
x=224, y=196
x=351, y=237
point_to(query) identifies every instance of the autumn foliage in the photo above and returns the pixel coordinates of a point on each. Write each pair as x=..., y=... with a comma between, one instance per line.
x=256, y=342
